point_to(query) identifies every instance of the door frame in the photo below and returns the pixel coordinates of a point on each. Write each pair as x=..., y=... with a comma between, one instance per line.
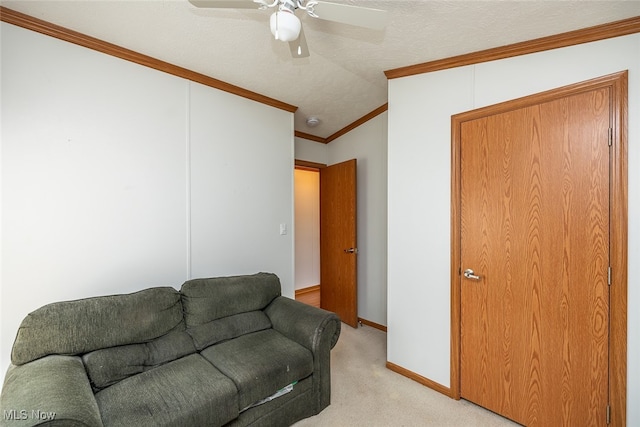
x=617, y=83
x=306, y=165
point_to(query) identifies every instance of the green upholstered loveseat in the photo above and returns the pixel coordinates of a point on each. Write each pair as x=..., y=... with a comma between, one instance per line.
x=217, y=353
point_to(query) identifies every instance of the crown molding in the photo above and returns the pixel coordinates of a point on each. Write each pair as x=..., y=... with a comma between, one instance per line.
x=585, y=35
x=28, y=22
x=381, y=109
x=310, y=137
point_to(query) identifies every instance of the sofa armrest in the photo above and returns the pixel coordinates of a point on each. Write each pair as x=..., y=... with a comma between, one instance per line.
x=307, y=325
x=314, y=328
x=53, y=390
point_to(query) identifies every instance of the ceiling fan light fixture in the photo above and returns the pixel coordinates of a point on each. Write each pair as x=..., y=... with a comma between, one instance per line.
x=285, y=26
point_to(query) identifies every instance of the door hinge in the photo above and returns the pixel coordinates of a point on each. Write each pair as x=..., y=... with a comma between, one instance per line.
x=608, y=414
x=609, y=276
x=610, y=137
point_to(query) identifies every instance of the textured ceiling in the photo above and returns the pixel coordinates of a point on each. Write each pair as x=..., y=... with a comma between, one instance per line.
x=343, y=78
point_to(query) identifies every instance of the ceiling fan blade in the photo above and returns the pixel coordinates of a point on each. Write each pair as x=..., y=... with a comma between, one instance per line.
x=226, y=4
x=354, y=15
x=298, y=47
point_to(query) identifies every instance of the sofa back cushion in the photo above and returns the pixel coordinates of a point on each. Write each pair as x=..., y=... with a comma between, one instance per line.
x=108, y=366
x=81, y=326
x=206, y=300
x=223, y=308
x=228, y=328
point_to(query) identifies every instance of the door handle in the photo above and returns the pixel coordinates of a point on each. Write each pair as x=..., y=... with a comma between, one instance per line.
x=351, y=251
x=469, y=274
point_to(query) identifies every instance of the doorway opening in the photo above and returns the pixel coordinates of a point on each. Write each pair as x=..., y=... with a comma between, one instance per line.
x=337, y=222
x=307, y=232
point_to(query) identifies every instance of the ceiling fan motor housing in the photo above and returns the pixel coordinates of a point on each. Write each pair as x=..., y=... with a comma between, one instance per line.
x=285, y=25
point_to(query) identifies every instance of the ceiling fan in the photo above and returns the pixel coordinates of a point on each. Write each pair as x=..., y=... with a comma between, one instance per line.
x=286, y=26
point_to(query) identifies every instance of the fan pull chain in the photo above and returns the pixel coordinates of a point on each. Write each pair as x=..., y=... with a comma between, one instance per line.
x=276, y=35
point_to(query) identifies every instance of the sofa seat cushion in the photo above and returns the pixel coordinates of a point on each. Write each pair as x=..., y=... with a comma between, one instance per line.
x=260, y=363
x=186, y=392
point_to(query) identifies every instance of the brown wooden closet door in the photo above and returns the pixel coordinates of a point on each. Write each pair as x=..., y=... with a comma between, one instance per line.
x=535, y=229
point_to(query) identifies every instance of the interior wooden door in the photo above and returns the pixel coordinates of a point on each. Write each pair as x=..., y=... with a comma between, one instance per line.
x=338, y=244
x=534, y=228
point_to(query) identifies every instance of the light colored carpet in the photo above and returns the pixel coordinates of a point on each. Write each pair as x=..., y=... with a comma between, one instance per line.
x=365, y=393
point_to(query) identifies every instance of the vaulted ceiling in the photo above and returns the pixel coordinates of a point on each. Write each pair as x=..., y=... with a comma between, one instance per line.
x=343, y=78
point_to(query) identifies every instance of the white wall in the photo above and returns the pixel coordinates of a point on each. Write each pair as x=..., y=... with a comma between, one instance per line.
x=419, y=190
x=419, y=212
x=116, y=177
x=368, y=144
x=311, y=151
x=241, y=187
